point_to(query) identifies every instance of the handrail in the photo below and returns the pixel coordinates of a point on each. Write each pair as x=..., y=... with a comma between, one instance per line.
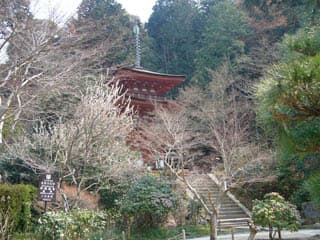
x=230, y=195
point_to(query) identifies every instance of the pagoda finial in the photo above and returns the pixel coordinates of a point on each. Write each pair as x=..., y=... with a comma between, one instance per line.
x=136, y=30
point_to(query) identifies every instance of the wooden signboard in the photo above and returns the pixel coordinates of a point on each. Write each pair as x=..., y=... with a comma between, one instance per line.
x=47, y=188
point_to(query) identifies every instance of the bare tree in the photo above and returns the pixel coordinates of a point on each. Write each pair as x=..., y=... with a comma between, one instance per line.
x=223, y=117
x=36, y=64
x=89, y=149
x=168, y=138
x=215, y=118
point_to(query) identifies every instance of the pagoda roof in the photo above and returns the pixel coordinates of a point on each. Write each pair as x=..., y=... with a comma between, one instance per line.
x=137, y=80
x=141, y=70
x=145, y=88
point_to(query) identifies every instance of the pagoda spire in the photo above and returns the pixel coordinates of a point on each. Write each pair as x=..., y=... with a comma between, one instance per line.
x=136, y=30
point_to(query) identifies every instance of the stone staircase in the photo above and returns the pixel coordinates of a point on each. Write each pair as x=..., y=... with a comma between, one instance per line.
x=232, y=214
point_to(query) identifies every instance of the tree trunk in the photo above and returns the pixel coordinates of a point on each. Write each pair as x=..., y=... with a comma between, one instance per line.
x=279, y=233
x=130, y=222
x=253, y=231
x=1, y=130
x=270, y=233
x=213, y=226
x=1, y=120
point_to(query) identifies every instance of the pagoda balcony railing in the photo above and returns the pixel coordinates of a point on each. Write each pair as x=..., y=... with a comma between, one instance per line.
x=147, y=97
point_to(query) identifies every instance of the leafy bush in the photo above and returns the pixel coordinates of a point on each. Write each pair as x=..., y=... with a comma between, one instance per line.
x=15, y=207
x=109, y=197
x=194, y=211
x=148, y=202
x=76, y=224
x=312, y=185
x=14, y=172
x=275, y=212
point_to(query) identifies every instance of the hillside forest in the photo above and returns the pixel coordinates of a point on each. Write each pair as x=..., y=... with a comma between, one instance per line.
x=248, y=110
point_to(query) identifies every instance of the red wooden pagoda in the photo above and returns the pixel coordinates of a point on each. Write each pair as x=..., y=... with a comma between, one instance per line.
x=146, y=88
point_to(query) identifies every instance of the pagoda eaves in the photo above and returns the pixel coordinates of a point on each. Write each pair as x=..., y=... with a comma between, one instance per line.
x=146, y=88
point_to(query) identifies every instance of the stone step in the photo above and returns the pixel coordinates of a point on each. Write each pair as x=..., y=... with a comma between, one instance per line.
x=233, y=221
x=199, y=184
x=227, y=225
x=216, y=191
x=230, y=205
x=223, y=225
x=230, y=213
x=224, y=202
x=245, y=219
x=231, y=216
x=230, y=210
x=208, y=190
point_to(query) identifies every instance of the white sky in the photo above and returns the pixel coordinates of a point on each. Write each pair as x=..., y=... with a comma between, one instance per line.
x=44, y=9
x=66, y=8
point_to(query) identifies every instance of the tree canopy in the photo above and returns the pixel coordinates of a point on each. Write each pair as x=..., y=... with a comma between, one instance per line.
x=174, y=26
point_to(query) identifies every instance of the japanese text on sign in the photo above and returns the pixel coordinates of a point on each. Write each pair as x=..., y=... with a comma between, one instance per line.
x=48, y=187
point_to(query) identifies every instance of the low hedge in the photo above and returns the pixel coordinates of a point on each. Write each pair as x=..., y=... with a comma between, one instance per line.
x=15, y=203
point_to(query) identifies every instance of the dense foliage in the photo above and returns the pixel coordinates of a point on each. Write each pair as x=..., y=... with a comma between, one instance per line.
x=312, y=185
x=76, y=224
x=174, y=27
x=15, y=207
x=288, y=106
x=222, y=39
x=148, y=202
x=190, y=37
x=103, y=32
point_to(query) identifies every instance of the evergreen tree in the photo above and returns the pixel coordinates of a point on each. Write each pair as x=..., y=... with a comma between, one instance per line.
x=222, y=39
x=289, y=98
x=174, y=27
x=103, y=30
x=288, y=107
x=98, y=9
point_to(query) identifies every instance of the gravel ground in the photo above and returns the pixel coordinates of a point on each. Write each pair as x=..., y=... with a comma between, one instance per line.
x=305, y=234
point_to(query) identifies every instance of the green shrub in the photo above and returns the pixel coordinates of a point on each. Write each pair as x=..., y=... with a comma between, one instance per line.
x=299, y=197
x=15, y=172
x=110, y=197
x=276, y=213
x=194, y=211
x=148, y=202
x=15, y=206
x=312, y=185
x=76, y=224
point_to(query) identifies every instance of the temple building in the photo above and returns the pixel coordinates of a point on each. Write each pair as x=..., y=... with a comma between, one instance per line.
x=146, y=88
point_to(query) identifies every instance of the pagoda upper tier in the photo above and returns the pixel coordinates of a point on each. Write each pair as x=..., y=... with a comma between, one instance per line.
x=146, y=88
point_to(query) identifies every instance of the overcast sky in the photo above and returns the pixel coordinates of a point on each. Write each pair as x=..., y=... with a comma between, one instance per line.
x=44, y=9
x=66, y=8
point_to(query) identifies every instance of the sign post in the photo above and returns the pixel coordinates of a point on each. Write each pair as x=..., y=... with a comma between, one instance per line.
x=47, y=189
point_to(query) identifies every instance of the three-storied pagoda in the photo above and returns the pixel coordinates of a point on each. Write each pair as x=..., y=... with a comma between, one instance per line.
x=145, y=89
